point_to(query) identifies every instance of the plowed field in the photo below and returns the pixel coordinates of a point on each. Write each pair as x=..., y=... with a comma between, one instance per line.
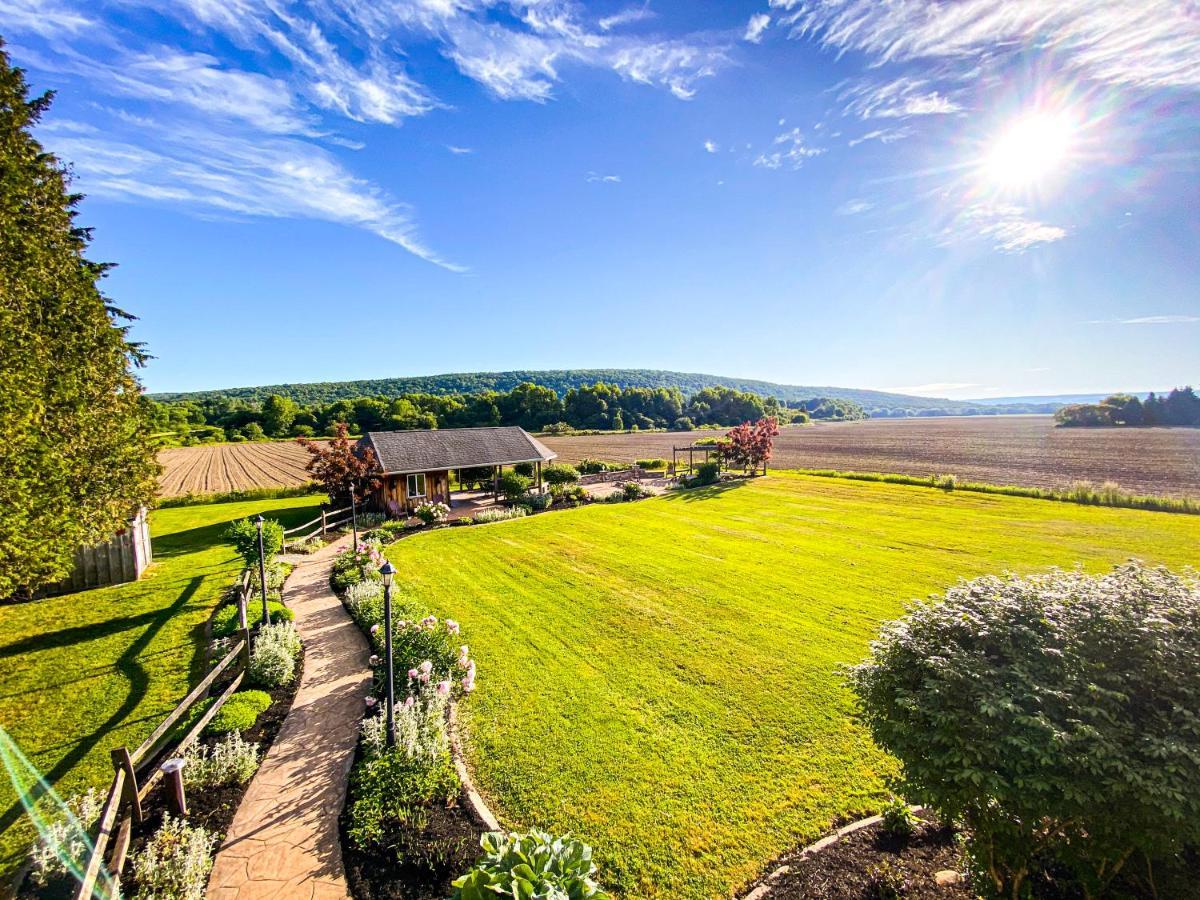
x=232, y=467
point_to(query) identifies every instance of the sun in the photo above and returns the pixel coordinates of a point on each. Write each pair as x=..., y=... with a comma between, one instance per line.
x=1030, y=150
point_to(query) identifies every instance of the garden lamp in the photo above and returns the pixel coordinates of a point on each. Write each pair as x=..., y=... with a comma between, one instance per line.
x=354, y=516
x=262, y=568
x=386, y=572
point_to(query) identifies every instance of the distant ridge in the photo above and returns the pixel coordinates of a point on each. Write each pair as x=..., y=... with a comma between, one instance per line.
x=562, y=380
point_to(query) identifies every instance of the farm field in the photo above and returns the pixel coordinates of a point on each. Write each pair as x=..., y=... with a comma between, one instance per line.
x=661, y=678
x=86, y=672
x=232, y=467
x=1022, y=450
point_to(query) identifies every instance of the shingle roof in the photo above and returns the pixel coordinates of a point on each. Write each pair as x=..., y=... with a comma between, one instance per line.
x=454, y=448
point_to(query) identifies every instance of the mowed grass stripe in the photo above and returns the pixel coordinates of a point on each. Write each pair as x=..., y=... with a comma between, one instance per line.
x=661, y=677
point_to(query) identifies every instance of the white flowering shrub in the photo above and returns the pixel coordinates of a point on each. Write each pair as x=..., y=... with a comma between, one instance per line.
x=64, y=845
x=431, y=513
x=486, y=516
x=421, y=719
x=174, y=863
x=364, y=598
x=232, y=761
x=273, y=657
x=374, y=736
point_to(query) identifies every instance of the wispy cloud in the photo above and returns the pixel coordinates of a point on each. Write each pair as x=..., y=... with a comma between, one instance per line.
x=459, y=151
x=900, y=98
x=1148, y=320
x=1152, y=43
x=676, y=65
x=244, y=174
x=1009, y=228
x=603, y=179
x=883, y=135
x=854, y=207
x=793, y=151
x=756, y=27
x=626, y=17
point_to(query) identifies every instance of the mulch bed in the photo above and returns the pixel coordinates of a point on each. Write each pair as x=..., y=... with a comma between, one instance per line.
x=864, y=864
x=414, y=865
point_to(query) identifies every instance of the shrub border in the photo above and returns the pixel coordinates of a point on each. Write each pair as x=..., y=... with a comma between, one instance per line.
x=764, y=884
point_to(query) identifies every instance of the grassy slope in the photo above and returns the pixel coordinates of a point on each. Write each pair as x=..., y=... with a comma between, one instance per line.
x=82, y=673
x=660, y=677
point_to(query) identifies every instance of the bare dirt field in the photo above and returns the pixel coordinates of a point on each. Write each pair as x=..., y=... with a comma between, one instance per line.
x=232, y=467
x=1024, y=450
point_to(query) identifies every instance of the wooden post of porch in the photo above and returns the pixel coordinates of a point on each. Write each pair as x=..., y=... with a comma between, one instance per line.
x=539, y=475
x=496, y=483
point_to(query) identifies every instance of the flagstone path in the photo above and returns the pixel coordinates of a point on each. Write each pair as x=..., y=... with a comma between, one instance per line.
x=284, y=839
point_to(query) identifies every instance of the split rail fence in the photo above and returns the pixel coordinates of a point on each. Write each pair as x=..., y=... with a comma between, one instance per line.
x=133, y=781
x=324, y=523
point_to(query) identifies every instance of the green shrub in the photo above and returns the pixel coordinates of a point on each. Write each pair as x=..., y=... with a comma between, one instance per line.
x=898, y=820
x=631, y=490
x=230, y=761
x=431, y=513
x=240, y=712
x=1054, y=715
x=225, y=620
x=174, y=863
x=707, y=473
x=539, y=502
x=263, y=493
x=513, y=485
x=683, y=423
x=558, y=428
x=560, y=474
x=525, y=469
x=277, y=573
x=652, y=464
x=353, y=565
x=274, y=654
x=64, y=844
x=530, y=865
x=243, y=534
x=593, y=466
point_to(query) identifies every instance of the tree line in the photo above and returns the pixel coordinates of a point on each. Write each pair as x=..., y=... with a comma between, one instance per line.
x=1180, y=408
x=600, y=406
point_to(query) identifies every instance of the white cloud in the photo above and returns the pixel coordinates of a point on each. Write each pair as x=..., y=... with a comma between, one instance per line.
x=711, y=146
x=792, y=153
x=510, y=64
x=459, y=151
x=883, y=135
x=758, y=24
x=854, y=207
x=603, y=179
x=1152, y=43
x=1149, y=320
x=676, y=65
x=1008, y=227
x=43, y=17
x=626, y=17
x=900, y=98
x=248, y=175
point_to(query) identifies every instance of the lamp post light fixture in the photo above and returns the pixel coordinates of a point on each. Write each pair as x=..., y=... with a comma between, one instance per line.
x=386, y=572
x=354, y=517
x=262, y=568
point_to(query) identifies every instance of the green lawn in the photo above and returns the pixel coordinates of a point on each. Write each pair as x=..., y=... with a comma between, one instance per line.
x=85, y=672
x=660, y=677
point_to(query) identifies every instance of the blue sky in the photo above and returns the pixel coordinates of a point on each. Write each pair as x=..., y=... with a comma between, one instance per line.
x=988, y=197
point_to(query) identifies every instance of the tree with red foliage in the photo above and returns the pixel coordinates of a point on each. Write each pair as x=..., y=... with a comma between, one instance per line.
x=340, y=468
x=749, y=446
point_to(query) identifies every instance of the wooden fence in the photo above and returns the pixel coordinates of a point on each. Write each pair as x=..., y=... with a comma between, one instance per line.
x=324, y=522
x=132, y=782
x=121, y=558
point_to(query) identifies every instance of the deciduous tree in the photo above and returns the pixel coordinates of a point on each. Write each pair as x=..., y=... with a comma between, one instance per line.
x=340, y=467
x=76, y=459
x=750, y=446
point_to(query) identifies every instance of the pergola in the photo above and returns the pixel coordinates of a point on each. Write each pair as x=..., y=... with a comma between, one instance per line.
x=691, y=451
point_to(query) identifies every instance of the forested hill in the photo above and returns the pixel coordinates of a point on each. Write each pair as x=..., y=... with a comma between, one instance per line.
x=562, y=380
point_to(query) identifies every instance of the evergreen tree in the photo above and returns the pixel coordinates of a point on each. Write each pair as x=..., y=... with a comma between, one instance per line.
x=76, y=459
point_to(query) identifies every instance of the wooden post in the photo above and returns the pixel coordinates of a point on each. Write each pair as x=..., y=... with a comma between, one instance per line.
x=322, y=520
x=496, y=483
x=539, y=475
x=124, y=762
x=244, y=627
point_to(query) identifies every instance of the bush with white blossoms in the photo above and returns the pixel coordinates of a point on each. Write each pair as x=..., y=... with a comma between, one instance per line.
x=64, y=844
x=273, y=657
x=431, y=513
x=175, y=862
x=231, y=761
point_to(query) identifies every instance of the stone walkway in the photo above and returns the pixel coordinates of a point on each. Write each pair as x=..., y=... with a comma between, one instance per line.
x=284, y=838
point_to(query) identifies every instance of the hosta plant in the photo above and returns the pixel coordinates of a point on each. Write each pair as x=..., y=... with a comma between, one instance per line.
x=532, y=866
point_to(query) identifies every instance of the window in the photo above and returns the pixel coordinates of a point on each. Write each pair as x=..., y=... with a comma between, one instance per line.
x=416, y=485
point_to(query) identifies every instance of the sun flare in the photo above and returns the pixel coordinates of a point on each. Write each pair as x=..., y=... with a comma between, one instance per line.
x=1030, y=150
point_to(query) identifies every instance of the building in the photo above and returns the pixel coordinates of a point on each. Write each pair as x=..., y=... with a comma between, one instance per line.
x=415, y=466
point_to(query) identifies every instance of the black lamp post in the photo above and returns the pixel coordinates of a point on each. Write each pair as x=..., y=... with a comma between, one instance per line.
x=386, y=572
x=262, y=568
x=354, y=517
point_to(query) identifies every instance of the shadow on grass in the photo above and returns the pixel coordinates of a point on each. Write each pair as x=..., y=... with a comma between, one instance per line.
x=128, y=665
x=708, y=492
